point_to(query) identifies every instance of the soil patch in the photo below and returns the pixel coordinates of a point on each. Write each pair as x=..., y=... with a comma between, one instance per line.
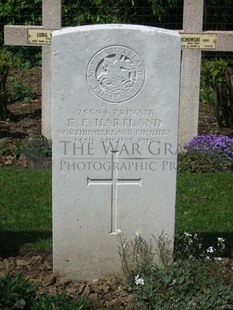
x=207, y=123
x=108, y=293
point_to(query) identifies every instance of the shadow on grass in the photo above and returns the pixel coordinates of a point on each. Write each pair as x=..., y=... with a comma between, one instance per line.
x=211, y=239
x=12, y=242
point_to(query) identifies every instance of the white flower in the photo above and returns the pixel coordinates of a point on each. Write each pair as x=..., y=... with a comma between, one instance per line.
x=210, y=250
x=187, y=235
x=221, y=244
x=139, y=281
x=174, y=282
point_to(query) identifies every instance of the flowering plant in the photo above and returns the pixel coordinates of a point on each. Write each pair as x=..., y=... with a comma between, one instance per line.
x=207, y=153
x=211, y=146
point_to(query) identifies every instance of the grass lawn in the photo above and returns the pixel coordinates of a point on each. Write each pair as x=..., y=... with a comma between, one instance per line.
x=25, y=209
x=204, y=205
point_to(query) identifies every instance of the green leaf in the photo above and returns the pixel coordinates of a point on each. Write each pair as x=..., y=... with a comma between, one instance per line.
x=20, y=304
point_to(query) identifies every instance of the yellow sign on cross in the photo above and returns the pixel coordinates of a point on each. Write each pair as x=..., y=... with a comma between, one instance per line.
x=39, y=36
x=199, y=41
x=190, y=41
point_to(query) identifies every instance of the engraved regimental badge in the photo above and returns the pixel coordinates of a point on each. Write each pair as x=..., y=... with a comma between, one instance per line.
x=115, y=74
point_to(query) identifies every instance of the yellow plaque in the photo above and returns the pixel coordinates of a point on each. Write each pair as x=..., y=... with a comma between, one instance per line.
x=39, y=36
x=200, y=41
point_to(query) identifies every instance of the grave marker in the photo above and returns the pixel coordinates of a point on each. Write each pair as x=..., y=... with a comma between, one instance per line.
x=33, y=36
x=191, y=67
x=115, y=126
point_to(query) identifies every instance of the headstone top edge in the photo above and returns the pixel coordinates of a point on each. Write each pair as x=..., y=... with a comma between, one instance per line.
x=98, y=27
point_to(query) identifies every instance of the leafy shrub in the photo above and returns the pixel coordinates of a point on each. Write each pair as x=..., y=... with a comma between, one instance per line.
x=37, y=148
x=182, y=285
x=188, y=283
x=20, y=92
x=217, y=89
x=16, y=293
x=188, y=246
x=60, y=302
x=121, y=11
x=12, y=147
x=134, y=255
x=207, y=153
x=191, y=246
x=13, y=90
x=82, y=13
x=5, y=63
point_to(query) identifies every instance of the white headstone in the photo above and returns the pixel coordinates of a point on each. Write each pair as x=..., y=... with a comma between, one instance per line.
x=115, y=127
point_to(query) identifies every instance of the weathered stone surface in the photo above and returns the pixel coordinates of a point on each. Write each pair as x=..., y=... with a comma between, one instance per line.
x=115, y=119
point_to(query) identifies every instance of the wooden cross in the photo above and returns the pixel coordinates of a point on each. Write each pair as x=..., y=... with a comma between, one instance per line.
x=191, y=68
x=190, y=65
x=114, y=182
x=19, y=35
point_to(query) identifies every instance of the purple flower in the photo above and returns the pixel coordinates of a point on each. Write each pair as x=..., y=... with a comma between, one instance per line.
x=211, y=147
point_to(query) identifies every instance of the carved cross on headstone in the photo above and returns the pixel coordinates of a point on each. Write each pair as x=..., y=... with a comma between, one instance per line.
x=114, y=182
